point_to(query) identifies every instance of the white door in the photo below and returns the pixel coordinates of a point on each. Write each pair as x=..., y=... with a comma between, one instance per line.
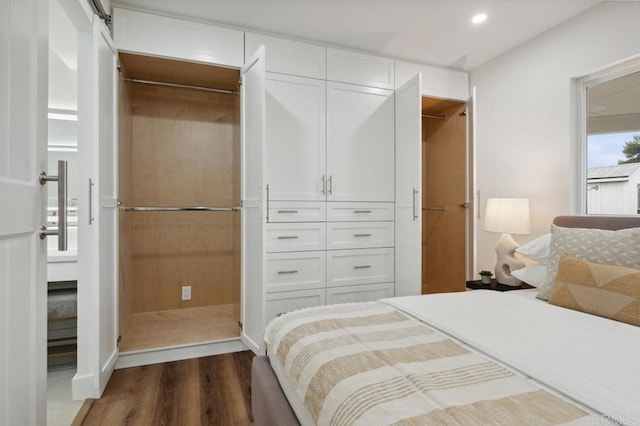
x=360, y=143
x=409, y=188
x=23, y=144
x=295, y=145
x=253, y=199
x=97, y=247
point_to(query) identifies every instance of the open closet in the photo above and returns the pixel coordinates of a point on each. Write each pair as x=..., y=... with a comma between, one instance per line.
x=179, y=194
x=444, y=195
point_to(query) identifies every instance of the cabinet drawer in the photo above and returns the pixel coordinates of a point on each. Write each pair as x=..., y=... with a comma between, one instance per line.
x=353, y=267
x=294, y=211
x=294, y=271
x=352, y=235
x=359, y=293
x=280, y=237
x=358, y=212
x=280, y=303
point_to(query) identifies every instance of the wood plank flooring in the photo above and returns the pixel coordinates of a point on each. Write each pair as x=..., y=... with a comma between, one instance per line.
x=213, y=390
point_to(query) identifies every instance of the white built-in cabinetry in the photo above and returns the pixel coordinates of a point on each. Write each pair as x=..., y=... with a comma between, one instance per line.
x=329, y=176
x=324, y=161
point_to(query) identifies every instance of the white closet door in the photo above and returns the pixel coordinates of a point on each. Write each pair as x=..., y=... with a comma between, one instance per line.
x=295, y=147
x=97, y=239
x=409, y=188
x=253, y=200
x=23, y=144
x=360, y=143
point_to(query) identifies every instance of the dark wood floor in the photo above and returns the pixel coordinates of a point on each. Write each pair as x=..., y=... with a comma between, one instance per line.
x=213, y=390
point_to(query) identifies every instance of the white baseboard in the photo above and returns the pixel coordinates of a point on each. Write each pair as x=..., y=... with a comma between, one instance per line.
x=176, y=353
x=107, y=370
x=83, y=387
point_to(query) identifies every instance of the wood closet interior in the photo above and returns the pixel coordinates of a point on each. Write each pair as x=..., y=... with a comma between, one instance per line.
x=178, y=146
x=444, y=182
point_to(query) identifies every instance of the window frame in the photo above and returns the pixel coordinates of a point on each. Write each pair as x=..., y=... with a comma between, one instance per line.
x=582, y=84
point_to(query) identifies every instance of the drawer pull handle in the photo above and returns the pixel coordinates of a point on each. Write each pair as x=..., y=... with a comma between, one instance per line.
x=287, y=211
x=288, y=237
x=362, y=211
x=362, y=267
x=293, y=271
x=361, y=235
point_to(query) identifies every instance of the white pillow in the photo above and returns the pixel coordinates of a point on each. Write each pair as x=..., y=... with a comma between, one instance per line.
x=537, y=249
x=532, y=275
x=620, y=248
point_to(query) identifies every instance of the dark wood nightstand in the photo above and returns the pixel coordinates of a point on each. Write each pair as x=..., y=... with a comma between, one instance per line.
x=477, y=285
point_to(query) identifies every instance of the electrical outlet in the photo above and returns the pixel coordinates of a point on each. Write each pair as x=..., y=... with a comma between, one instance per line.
x=186, y=292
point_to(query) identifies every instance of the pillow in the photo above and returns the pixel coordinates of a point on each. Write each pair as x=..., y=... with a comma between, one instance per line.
x=532, y=275
x=608, y=291
x=620, y=248
x=537, y=249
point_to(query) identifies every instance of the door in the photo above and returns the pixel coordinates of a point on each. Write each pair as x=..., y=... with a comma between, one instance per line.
x=97, y=242
x=408, y=188
x=360, y=143
x=253, y=199
x=295, y=132
x=444, y=219
x=23, y=144
x=472, y=208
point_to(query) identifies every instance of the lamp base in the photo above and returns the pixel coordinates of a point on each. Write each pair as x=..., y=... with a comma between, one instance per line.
x=506, y=260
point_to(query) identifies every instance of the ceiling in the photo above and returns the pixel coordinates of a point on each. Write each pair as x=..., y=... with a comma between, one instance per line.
x=435, y=32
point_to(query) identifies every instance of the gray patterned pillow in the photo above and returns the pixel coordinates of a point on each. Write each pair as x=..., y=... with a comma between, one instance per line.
x=593, y=245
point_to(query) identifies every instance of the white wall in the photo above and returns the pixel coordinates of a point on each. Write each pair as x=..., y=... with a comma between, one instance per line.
x=524, y=133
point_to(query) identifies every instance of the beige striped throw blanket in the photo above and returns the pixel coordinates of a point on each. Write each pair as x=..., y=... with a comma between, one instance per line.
x=370, y=364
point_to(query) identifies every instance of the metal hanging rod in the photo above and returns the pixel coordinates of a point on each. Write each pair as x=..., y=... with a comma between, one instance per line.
x=437, y=117
x=181, y=209
x=182, y=86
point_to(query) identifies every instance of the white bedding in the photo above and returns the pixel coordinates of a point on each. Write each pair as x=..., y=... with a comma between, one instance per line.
x=592, y=360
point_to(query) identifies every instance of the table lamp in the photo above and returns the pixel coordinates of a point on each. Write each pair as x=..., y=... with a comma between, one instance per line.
x=507, y=216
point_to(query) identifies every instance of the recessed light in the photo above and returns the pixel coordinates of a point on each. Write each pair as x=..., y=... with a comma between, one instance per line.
x=479, y=18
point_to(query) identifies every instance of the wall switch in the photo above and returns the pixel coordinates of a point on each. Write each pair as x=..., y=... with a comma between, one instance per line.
x=186, y=292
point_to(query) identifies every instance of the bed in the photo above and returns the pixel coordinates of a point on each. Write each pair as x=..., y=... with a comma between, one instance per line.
x=511, y=358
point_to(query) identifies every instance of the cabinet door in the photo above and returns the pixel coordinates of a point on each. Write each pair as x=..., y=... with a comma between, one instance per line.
x=177, y=38
x=360, y=143
x=289, y=56
x=409, y=188
x=295, y=148
x=253, y=201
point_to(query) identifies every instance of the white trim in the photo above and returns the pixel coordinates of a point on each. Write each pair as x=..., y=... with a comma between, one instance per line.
x=579, y=147
x=83, y=387
x=175, y=353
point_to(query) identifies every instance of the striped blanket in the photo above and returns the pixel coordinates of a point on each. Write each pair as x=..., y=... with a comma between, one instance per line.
x=370, y=364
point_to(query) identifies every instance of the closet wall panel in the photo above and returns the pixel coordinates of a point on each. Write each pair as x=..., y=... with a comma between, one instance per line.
x=185, y=153
x=444, y=184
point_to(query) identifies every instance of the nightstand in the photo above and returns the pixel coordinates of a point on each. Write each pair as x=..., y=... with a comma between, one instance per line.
x=477, y=285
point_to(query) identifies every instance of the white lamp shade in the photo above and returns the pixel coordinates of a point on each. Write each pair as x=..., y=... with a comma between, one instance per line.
x=507, y=215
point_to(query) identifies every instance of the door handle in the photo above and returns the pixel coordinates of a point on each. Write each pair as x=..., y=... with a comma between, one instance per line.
x=330, y=185
x=415, y=214
x=91, y=184
x=324, y=185
x=62, y=205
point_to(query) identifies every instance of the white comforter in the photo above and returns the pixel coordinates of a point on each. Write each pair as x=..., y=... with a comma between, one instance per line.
x=592, y=360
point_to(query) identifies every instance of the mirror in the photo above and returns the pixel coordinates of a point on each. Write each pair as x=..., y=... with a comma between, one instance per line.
x=613, y=146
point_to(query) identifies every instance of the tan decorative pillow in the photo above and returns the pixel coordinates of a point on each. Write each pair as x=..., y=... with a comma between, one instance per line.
x=608, y=291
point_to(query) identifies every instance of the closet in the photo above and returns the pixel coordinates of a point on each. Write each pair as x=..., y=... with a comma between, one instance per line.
x=444, y=206
x=179, y=197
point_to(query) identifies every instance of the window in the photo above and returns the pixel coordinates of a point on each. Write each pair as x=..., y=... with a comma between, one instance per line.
x=611, y=142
